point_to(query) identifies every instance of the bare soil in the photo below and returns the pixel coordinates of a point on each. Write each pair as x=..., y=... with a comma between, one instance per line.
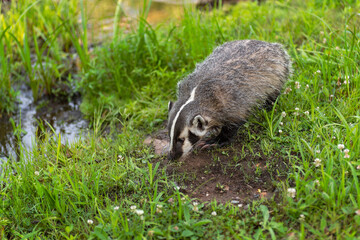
x=232, y=173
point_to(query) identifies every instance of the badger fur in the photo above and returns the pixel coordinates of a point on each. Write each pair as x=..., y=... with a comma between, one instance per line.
x=220, y=94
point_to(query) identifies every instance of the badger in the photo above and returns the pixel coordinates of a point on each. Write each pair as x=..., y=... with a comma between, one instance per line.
x=218, y=97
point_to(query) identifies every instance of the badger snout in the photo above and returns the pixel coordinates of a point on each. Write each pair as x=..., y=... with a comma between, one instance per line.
x=174, y=155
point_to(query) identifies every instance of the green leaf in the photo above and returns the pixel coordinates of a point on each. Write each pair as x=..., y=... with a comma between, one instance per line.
x=187, y=233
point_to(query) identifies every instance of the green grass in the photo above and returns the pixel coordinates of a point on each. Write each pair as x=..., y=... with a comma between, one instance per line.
x=55, y=190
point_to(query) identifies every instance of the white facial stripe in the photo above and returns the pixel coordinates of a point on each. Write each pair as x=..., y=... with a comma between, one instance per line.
x=192, y=96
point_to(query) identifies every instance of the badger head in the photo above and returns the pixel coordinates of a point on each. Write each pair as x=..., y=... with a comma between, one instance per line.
x=188, y=128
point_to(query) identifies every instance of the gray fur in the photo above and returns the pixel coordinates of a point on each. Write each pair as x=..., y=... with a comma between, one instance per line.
x=234, y=79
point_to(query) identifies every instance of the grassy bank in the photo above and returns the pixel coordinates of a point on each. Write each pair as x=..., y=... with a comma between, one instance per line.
x=112, y=186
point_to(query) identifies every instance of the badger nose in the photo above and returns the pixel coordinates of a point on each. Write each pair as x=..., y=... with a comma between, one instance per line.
x=171, y=156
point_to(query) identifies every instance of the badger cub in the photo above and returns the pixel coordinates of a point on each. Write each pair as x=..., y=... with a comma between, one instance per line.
x=220, y=94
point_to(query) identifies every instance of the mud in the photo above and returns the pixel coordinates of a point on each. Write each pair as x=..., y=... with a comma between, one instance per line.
x=229, y=174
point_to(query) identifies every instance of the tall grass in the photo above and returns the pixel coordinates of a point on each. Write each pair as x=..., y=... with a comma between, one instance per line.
x=39, y=35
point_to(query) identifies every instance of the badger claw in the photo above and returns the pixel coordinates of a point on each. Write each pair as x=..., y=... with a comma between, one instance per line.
x=208, y=146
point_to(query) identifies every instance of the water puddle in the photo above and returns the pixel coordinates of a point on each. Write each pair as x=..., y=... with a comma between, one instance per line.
x=63, y=116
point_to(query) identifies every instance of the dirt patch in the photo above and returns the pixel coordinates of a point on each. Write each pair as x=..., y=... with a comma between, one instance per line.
x=238, y=173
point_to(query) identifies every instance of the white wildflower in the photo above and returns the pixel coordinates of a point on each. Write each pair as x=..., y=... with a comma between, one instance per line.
x=214, y=213
x=317, y=162
x=317, y=151
x=280, y=131
x=297, y=109
x=302, y=217
x=307, y=86
x=357, y=212
x=37, y=173
x=306, y=113
x=291, y=192
x=116, y=208
x=133, y=207
x=358, y=167
x=90, y=221
x=287, y=90
x=139, y=212
x=324, y=40
x=346, y=151
x=281, y=123
x=283, y=114
x=341, y=146
x=297, y=85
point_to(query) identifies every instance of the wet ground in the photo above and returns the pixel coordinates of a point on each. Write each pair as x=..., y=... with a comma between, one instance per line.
x=232, y=173
x=64, y=116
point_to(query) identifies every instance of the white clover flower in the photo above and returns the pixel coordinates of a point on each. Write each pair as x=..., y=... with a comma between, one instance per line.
x=90, y=221
x=306, y=112
x=240, y=205
x=120, y=158
x=297, y=85
x=317, y=151
x=324, y=40
x=291, y=192
x=337, y=48
x=334, y=137
x=357, y=212
x=317, y=108
x=346, y=151
x=116, y=208
x=322, y=33
x=318, y=136
x=37, y=173
x=318, y=72
x=307, y=86
x=317, y=162
x=297, y=109
x=195, y=203
x=159, y=206
x=281, y=123
x=195, y=208
x=331, y=96
x=287, y=90
x=302, y=217
x=283, y=114
x=133, y=207
x=214, y=213
x=358, y=167
x=139, y=212
x=317, y=182
x=280, y=131
x=341, y=146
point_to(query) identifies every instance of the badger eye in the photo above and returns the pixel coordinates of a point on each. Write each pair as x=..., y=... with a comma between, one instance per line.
x=180, y=140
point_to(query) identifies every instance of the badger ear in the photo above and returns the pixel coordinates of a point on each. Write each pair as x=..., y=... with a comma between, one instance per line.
x=170, y=105
x=199, y=122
